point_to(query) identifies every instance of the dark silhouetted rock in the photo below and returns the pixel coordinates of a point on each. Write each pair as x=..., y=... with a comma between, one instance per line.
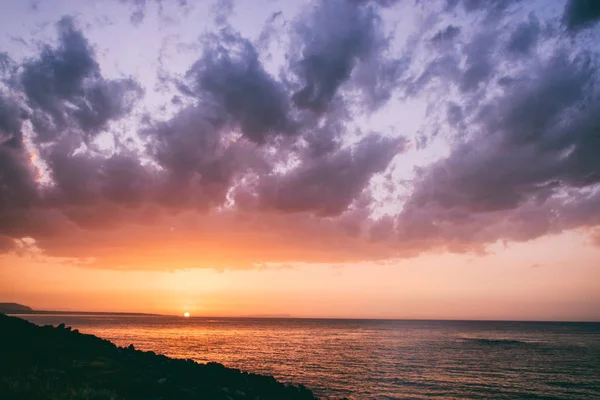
x=54, y=363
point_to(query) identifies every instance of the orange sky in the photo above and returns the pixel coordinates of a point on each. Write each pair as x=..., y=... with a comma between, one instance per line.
x=553, y=278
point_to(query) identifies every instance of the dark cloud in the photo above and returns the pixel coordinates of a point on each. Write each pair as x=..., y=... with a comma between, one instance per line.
x=524, y=38
x=10, y=121
x=86, y=178
x=446, y=67
x=534, y=146
x=328, y=185
x=376, y=79
x=7, y=66
x=68, y=102
x=104, y=101
x=199, y=161
x=231, y=75
x=454, y=114
x=324, y=136
x=65, y=88
x=17, y=180
x=581, y=14
x=57, y=76
x=334, y=37
x=479, y=64
x=470, y=64
x=446, y=35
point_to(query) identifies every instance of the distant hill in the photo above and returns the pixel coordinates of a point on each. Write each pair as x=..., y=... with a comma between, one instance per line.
x=14, y=308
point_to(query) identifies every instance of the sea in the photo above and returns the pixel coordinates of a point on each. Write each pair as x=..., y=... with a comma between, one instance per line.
x=376, y=359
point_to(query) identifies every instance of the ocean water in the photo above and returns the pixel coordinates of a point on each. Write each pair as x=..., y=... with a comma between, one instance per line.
x=367, y=359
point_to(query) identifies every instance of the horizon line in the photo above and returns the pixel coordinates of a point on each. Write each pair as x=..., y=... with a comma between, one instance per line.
x=289, y=317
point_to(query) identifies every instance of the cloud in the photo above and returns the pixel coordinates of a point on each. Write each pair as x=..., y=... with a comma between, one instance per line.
x=581, y=14
x=139, y=8
x=328, y=185
x=492, y=8
x=199, y=160
x=67, y=102
x=446, y=35
x=10, y=120
x=70, y=104
x=280, y=161
x=332, y=39
x=468, y=64
x=7, y=65
x=526, y=165
x=65, y=88
x=479, y=65
x=192, y=160
x=105, y=101
x=231, y=75
x=139, y=11
x=17, y=186
x=223, y=9
x=524, y=38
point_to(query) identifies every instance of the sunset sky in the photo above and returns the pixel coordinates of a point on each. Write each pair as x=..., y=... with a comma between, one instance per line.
x=330, y=158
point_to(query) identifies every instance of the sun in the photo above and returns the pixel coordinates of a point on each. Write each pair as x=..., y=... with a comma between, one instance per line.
x=186, y=314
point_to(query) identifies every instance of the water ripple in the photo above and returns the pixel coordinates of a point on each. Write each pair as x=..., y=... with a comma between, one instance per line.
x=378, y=359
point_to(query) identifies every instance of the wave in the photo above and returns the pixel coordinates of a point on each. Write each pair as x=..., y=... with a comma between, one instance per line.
x=495, y=342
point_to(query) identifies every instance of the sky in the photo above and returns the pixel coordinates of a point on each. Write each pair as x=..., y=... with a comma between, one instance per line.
x=329, y=158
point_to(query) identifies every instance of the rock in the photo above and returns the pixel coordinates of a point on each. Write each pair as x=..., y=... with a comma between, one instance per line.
x=60, y=364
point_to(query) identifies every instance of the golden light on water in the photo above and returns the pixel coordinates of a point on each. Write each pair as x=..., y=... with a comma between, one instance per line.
x=186, y=314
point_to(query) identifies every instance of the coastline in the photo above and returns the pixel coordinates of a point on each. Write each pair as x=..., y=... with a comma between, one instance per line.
x=41, y=362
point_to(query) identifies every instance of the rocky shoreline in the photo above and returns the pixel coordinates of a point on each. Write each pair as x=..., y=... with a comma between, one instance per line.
x=60, y=363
